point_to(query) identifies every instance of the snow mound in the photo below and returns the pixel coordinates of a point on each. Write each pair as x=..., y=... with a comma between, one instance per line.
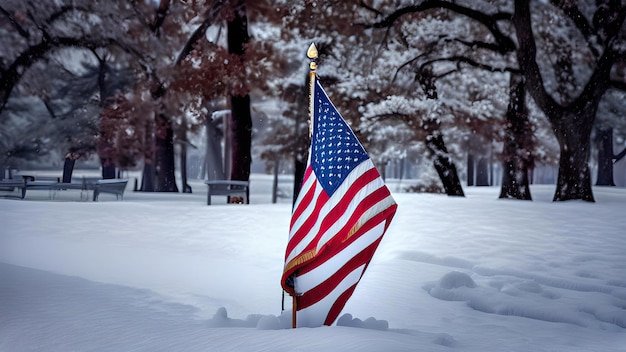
x=260, y=322
x=522, y=298
x=456, y=279
x=369, y=323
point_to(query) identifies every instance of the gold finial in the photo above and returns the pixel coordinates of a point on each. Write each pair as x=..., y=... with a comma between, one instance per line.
x=312, y=55
x=312, y=52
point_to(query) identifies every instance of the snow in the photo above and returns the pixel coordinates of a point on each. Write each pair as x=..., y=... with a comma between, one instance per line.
x=166, y=272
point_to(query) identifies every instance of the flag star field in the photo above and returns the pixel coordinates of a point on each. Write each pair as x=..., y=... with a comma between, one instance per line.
x=335, y=149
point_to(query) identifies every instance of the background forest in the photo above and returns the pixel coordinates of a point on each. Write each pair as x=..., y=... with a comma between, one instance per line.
x=451, y=93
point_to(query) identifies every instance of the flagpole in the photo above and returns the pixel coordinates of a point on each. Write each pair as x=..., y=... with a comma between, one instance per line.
x=312, y=55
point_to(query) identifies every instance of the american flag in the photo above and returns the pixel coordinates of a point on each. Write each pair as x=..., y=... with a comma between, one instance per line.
x=339, y=218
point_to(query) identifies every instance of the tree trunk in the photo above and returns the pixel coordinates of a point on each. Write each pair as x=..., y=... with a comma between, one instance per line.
x=241, y=133
x=482, y=171
x=299, y=169
x=301, y=135
x=241, y=119
x=148, y=177
x=517, y=146
x=470, y=169
x=108, y=169
x=68, y=168
x=604, y=140
x=275, y=180
x=442, y=161
x=213, y=157
x=164, y=156
x=183, y=168
x=574, y=179
x=183, y=156
x=437, y=147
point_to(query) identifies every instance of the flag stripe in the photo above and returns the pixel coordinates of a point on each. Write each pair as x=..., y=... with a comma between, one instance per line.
x=308, y=279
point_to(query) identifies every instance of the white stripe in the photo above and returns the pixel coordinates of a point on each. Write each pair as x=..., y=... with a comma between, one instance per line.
x=315, y=315
x=307, y=281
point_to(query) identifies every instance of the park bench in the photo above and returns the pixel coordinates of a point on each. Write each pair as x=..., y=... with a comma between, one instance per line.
x=113, y=186
x=229, y=188
x=84, y=185
x=9, y=185
x=53, y=185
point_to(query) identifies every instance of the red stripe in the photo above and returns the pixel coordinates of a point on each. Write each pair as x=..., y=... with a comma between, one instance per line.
x=341, y=301
x=322, y=290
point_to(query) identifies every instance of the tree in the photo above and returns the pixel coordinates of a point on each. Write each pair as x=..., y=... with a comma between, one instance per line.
x=571, y=115
x=573, y=120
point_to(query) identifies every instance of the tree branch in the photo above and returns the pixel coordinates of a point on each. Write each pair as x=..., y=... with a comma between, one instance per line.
x=155, y=26
x=371, y=9
x=573, y=13
x=504, y=44
x=23, y=32
x=620, y=85
x=473, y=63
x=619, y=156
x=198, y=34
x=14, y=72
x=600, y=79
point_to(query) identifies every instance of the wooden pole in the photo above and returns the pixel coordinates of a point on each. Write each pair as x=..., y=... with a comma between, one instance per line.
x=312, y=55
x=293, y=312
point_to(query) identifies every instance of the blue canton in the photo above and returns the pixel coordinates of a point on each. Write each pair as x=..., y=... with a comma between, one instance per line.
x=335, y=150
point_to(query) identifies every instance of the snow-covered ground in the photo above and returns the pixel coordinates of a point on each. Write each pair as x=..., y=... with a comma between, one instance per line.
x=166, y=272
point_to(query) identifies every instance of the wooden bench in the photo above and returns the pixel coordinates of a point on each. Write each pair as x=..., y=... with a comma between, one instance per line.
x=53, y=185
x=9, y=185
x=113, y=186
x=95, y=184
x=228, y=188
